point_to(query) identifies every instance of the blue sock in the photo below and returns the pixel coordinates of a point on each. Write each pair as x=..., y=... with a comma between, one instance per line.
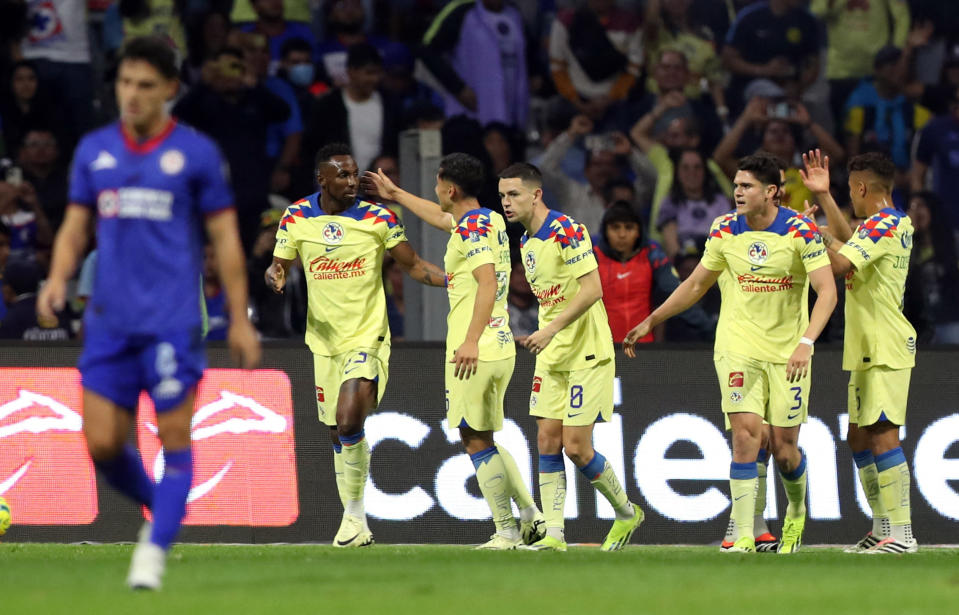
x=171, y=494
x=125, y=472
x=594, y=468
x=484, y=455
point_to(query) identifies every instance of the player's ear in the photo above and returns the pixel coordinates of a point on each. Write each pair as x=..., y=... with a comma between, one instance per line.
x=173, y=86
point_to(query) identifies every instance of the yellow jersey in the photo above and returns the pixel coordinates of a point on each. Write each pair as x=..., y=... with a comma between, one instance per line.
x=765, y=307
x=554, y=258
x=342, y=258
x=877, y=332
x=479, y=238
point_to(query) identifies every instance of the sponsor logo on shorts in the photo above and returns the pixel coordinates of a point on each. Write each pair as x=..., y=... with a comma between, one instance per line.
x=320, y=396
x=537, y=384
x=736, y=379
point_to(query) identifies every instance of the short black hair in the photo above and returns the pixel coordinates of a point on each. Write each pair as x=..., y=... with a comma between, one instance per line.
x=621, y=212
x=295, y=43
x=363, y=54
x=465, y=171
x=154, y=51
x=764, y=166
x=876, y=163
x=329, y=151
x=525, y=171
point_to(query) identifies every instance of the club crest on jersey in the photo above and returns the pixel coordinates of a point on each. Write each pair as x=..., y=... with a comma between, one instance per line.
x=735, y=397
x=172, y=161
x=333, y=232
x=530, y=262
x=758, y=252
x=863, y=231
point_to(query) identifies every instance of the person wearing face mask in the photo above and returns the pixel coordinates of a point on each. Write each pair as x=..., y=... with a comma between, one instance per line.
x=271, y=21
x=298, y=70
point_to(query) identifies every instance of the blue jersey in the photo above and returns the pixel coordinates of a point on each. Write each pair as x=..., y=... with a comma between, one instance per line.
x=150, y=200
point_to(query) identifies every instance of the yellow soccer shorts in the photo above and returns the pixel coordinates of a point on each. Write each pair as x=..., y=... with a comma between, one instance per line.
x=331, y=372
x=577, y=397
x=477, y=402
x=760, y=387
x=878, y=393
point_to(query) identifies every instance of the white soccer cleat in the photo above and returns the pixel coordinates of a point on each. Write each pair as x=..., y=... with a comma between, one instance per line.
x=146, y=567
x=891, y=545
x=533, y=531
x=352, y=533
x=867, y=542
x=499, y=543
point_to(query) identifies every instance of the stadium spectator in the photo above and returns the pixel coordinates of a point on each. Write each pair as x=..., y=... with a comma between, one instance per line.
x=694, y=201
x=236, y=112
x=521, y=304
x=605, y=153
x=161, y=18
x=879, y=116
x=24, y=105
x=277, y=316
x=13, y=27
x=504, y=145
x=30, y=232
x=298, y=69
x=359, y=113
x=782, y=129
x=475, y=52
x=938, y=97
x=676, y=25
x=938, y=151
x=595, y=56
x=634, y=271
x=205, y=38
x=218, y=317
x=58, y=45
x=21, y=279
x=855, y=32
x=270, y=21
x=345, y=23
x=671, y=96
x=776, y=40
x=932, y=288
x=42, y=168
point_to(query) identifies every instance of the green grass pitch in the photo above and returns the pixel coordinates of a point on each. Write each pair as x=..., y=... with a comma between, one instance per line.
x=426, y=579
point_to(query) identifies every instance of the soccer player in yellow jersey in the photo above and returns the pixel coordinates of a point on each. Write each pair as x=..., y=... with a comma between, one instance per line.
x=478, y=340
x=573, y=378
x=879, y=348
x=764, y=337
x=341, y=240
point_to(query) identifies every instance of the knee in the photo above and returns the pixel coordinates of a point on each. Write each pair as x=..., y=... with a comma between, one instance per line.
x=745, y=440
x=580, y=453
x=548, y=444
x=347, y=427
x=102, y=447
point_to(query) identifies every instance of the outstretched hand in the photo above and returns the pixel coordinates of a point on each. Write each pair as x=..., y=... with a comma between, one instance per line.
x=636, y=333
x=816, y=173
x=376, y=183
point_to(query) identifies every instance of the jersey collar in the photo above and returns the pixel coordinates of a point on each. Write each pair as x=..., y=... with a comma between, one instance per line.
x=150, y=144
x=545, y=230
x=482, y=211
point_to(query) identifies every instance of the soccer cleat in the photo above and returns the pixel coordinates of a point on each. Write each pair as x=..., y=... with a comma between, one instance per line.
x=725, y=546
x=352, y=533
x=792, y=535
x=867, y=542
x=746, y=544
x=498, y=542
x=891, y=545
x=546, y=543
x=146, y=567
x=767, y=543
x=622, y=531
x=534, y=530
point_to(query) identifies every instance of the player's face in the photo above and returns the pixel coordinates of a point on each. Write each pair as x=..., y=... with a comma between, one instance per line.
x=622, y=236
x=752, y=196
x=444, y=193
x=857, y=193
x=518, y=199
x=142, y=93
x=339, y=179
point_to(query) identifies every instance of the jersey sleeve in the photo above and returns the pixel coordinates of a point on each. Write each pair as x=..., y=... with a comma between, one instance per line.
x=211, y=178
x=285, y=247
x=393, y=232
x=81, y=188
x=473, y=237
x=810, y=243
x=868, y=243
x=713, y=257
x=576, y=248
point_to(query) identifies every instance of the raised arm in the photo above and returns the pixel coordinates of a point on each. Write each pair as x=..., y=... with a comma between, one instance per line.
x=420, y=270
x=815, y=176
x=427, y=211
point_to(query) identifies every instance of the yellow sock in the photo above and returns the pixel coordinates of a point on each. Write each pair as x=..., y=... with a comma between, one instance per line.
x=894, y=483
x=552, y=493
x=495, y=487
x=518, y=490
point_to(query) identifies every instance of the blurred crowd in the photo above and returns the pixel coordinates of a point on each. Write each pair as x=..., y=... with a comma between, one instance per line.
x=636, y=112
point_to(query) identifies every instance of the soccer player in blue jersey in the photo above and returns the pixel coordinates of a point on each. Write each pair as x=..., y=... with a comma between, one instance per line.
x=153, y=185
x=341, y=240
